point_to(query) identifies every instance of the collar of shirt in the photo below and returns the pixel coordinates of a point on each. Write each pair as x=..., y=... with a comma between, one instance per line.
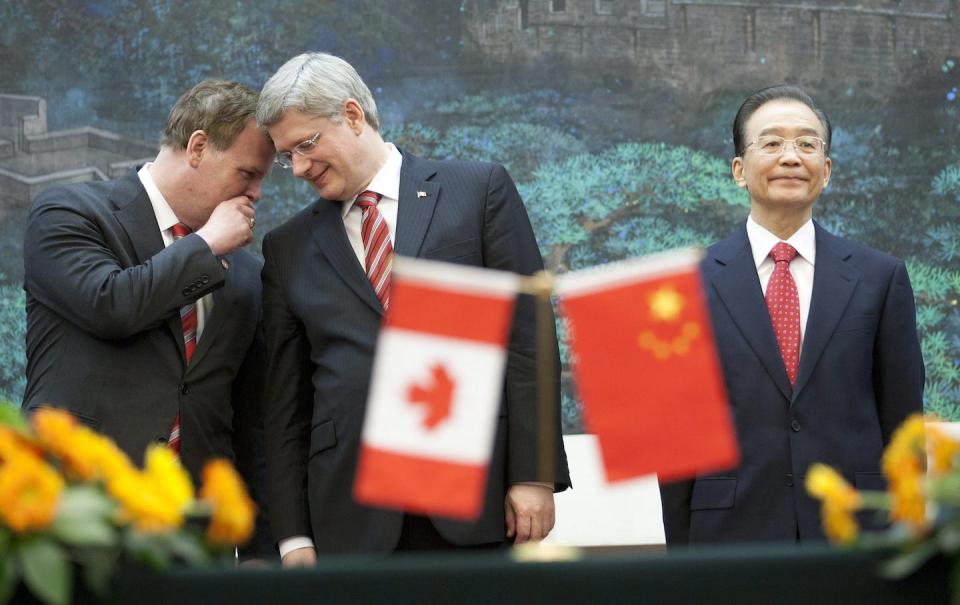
x=804, y=240
x=386, y=182
x=161, y=209
x=166, y=219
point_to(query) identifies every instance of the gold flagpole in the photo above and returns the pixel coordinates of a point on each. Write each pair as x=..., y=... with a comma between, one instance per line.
x=540, y=285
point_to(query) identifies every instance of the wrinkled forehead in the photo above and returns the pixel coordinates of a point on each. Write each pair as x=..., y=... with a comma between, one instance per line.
x=295, y=127
x=784, y=117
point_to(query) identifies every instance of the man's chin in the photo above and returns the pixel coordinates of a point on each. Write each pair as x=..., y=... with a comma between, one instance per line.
x=324, y=190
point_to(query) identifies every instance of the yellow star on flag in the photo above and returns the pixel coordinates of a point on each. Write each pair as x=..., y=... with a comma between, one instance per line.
x=665, y=304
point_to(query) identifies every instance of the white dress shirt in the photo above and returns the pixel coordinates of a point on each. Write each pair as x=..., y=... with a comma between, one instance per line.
x=387, y=183
x=166, y=219
x=804, y=240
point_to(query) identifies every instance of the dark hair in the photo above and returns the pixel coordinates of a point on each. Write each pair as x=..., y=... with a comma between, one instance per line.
x=220, y=108
x=775, y=93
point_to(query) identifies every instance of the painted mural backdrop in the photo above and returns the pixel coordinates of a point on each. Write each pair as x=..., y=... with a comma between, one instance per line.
x=612, y=116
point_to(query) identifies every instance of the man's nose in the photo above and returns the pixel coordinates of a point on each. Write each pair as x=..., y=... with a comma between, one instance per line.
x=300, y=165
x=255, y=191
x=789, y=153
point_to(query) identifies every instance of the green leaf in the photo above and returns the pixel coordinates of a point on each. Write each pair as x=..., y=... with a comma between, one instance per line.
x=949, y=537
x=8, y=572
x=46, y=570
x=97, y=565
x=89, y=532
x=84, y=518
x=189, y=547
x=148, y=549
x=85, y=502
x=908, y=561
x=11, y=416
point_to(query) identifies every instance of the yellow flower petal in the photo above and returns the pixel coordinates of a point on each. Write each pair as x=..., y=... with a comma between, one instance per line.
x=29, y=492
x=232, y=511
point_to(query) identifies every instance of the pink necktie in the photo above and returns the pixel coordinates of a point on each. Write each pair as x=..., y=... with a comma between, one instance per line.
x=783, y=302
x=188, y=321
x=376, y=246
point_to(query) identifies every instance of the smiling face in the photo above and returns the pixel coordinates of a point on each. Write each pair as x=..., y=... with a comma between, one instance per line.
x=790, y=182
x=338, y=164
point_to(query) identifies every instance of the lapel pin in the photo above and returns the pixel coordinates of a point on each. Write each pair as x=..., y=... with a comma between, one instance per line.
x=421, y=194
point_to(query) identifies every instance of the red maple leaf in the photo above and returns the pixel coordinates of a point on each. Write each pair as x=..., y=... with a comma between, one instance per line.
x=436, y=396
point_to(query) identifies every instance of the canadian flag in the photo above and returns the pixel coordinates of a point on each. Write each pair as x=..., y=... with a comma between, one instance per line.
x=436, y=389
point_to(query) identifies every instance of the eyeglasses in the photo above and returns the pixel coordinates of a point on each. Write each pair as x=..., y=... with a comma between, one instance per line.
x=284, y=159
x=772, y=144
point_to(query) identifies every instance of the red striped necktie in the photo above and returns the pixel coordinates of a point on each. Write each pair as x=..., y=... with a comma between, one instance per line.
x=188, y=321
x=783, y=302
x=376, y=246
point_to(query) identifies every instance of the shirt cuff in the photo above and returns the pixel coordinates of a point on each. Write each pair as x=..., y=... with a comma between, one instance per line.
x=293, y=543
x=550, y=486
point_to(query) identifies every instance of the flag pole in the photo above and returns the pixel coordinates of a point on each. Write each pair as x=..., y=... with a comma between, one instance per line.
x=540, y=286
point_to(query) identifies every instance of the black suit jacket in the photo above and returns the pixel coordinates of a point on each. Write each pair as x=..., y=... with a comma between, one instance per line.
x=321, y=320
x=861, y=374
x=104, y=338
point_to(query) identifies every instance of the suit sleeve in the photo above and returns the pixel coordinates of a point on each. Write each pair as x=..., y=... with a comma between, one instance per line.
x=675, y=503
x=898, y=363
x=248, y=444
x=70, y=268
x=509, y=244
x=289, y=397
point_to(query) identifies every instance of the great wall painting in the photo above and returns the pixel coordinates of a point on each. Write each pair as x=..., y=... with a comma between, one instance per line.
x=612, y=115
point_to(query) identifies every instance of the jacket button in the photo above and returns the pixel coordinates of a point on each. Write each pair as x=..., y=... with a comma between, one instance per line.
x=184, y=389
x=161, y=439
x=795, y=425
x=185, y=291
x=789, y=479
x=205, y=279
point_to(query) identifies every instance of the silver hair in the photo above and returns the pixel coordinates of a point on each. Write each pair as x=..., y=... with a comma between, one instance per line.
x=317, y=84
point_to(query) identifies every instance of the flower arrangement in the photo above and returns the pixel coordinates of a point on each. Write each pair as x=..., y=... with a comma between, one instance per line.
x=71, y=499
x=923, y=504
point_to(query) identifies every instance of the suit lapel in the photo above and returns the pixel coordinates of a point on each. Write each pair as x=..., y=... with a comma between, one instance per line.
x=331, y=237
x=135, y=214
x=418, y=200
x=733, y=275
x=834, y=280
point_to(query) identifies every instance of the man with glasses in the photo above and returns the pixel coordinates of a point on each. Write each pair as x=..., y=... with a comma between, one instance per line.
x=143, y=309
x=326, y=285
x=816, y=335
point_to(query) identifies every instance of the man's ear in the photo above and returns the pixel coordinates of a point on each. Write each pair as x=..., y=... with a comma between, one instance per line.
x=354, y=116
x=736, y=168
x=197, y=145
x=827, y=171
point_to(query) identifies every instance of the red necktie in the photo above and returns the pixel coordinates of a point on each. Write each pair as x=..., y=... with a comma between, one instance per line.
x=376, y=246
x=783, y=302
x=188, y=321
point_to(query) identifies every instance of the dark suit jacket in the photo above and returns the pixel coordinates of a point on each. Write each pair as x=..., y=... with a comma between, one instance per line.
x=861, y=374
x=321, y=320
x=104, y=339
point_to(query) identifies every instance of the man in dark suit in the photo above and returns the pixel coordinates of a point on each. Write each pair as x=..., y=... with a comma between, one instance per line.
x=142, y=330
x=816, y=335
x=322, y=315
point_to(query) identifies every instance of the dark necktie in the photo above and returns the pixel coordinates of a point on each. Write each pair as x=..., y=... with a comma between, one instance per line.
x=783, y=302
x=377, y=248
x=188, y=321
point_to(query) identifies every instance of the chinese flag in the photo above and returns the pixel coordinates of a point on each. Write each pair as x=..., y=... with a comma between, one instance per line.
x=646, y=367
x=436, y=388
